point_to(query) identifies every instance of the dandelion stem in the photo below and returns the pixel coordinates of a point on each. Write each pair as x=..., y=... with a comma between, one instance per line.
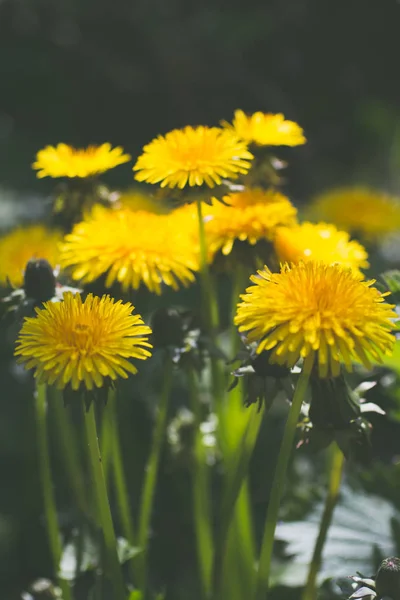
x=47, y=486
x=277, y=488
x=210, y=299
x=335, y=477
x=150, y=481
x=67, y=438
x=201, y=494
x=103, y=506
x=119, y=474
x=238, y=471
x=210, y=306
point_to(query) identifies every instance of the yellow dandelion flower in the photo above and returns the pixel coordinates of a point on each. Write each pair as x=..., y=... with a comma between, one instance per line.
x=82, y=343
x=64, y=161
x=324, y=314
x=193, y=156
x=22, y=244
x=138, y=200
x=266, y=129
x=367, y=212
x=319, y=242
x=249, y=216
x=131, y=248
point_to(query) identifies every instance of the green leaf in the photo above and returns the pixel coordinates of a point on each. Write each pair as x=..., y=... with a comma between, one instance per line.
x=361, y=529
x=392, y=280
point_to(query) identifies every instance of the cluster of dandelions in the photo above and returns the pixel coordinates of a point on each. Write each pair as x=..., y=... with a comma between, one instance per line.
x=310, y=303
x=131, y=244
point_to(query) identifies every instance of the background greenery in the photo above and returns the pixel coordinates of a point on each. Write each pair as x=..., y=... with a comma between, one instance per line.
x=88, y=71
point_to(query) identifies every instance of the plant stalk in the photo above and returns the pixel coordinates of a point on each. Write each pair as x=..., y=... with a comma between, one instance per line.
x=150, y=481
x=47, y=486
x=278, y=485
x=335, y=477
x=121, y=488
x=201, y=495
x=103, y=506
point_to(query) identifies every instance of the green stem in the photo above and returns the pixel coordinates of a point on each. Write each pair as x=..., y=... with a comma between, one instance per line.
x=67, y=438
x=149, y=485
x=47, y=486
x=119, y=476
x=103, y=506
x=201, y=496
x=209, y=296
x=335, y=477
x=106, y=437
x=210, y=302
x=278, y=485
x=239, y=470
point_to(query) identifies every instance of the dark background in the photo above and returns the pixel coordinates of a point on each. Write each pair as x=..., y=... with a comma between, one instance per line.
x=89, y=71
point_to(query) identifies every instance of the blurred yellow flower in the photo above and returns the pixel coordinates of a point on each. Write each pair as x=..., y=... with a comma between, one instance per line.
x=320, y=242
x=82, y=343
x=249, y=216
x=193, y=156
x=324, y=314
x=366, y=212
x=65, y=161
x=266, y=129
x=22, y=244
x=131, y=247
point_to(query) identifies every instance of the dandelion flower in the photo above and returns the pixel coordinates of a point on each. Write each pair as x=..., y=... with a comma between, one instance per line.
x=266, y=129
x=64, y=161
x=82, y=343
x=324, y=314
x=320, y=242
x=193, y=156
x=367, y=212
x=22, y=244
x=132, y=248
x=249, y=216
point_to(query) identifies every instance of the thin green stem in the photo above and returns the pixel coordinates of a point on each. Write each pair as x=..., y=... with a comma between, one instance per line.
x=119, y=475
x=278, y=485
x=104, y=512
x=335, y=477
x=47, y=486
x=67, y=438
x=150, y=481
x=239, y=470
x=211, y=311
x=210, y=299
x=201, y=495
x=106, y=436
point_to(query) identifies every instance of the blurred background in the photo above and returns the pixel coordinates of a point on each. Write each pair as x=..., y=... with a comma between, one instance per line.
x=90, y=71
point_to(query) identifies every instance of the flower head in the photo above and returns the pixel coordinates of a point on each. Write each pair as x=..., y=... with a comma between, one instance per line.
x=22, y=244
x=319, y=242
x=82, y=343
x=64, y=161
x=131, y=248
x=249, y=216
x=367, y=212
x=193, y=156
x=266, y=129
x=324, y=314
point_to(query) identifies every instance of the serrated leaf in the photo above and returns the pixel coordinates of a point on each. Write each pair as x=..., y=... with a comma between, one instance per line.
x=361, y=526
